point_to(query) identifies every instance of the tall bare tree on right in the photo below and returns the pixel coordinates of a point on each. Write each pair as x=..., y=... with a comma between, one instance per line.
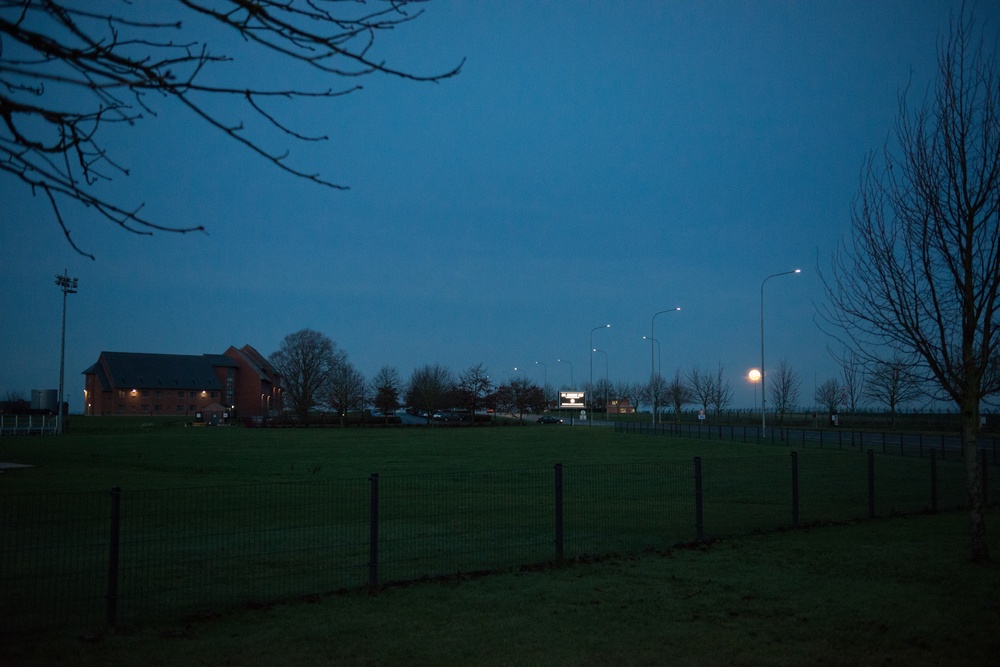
x=921, y=275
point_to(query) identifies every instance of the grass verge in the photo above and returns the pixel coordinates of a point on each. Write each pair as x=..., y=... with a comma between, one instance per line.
x=888, y=591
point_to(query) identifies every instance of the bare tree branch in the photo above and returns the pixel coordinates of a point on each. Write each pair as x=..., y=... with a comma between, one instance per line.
x=69, y=71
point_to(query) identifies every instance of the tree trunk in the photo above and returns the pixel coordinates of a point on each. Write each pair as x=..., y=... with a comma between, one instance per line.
x=974, y=480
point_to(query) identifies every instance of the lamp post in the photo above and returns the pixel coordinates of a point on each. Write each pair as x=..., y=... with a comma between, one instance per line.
x=652, y=359
x=545, y=381
x=572, y=384
x=659, y=354
x=606, y=380
x=763, y=372
x=68, y=286
x=591, y=355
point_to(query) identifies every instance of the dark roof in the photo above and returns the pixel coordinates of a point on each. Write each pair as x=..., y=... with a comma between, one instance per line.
x=154, y=371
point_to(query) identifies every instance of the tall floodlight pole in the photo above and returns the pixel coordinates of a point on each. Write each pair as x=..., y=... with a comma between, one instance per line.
x=572, y=384
x=763, y=394
x=652, y=359
x=68, y=286
x=590, y=354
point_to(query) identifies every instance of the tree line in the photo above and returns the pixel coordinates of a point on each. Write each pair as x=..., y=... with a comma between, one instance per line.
x=317, y=376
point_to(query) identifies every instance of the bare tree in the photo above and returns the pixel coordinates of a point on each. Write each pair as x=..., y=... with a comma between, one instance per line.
x=783, y=389
x=722, y=392
x=347, y=390
x=306, y=361
x=473, y=387
x=656, y=393
x=430, y=389
x=921, y=275
x=386, y=387
x=852, y=371
x=603, y=389
x=891, y=384
x=71, y=70
x=520, y=396
x=677, y=393
x=702, y=385
x=828, y=395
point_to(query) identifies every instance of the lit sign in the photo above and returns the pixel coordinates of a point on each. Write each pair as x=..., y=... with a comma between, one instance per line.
x=571, y=399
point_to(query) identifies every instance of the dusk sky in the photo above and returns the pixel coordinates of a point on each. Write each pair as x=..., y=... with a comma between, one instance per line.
x=593, y=163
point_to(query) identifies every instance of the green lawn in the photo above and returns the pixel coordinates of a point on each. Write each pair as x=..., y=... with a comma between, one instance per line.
x=217, y=518
x=890, y=591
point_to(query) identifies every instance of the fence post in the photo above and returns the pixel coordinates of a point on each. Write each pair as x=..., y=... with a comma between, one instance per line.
x=871, y=484
x=934, y=503
x=795, y=489
x=114, y=551
x=699, y=518
x=373, y=531
x=559, y=510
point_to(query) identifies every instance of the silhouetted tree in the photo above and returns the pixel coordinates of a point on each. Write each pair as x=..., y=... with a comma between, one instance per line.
x=828, y=395
x=69, y=70
x=783, y=388
x=385, y=388
x=921, y=274
x=519, y=396
x=306, y=361
x=430, y=389
x=677, y=393
x=347, y=390
x=473, y=388
x=722, y=392
x=853, y=373
x=702, y=385
x=891, y=384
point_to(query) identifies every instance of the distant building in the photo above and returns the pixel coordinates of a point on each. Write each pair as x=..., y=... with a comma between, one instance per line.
x=238, y=383
x=620, y=406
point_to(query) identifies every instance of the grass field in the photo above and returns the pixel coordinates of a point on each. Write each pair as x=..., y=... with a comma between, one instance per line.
x=215, y=512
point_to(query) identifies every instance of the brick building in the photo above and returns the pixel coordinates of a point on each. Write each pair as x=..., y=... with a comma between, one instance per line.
x=238, y=383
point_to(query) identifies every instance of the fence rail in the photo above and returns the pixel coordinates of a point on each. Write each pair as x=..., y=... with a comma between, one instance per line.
x=28, y=424
x=887, y=442
x=121, y=557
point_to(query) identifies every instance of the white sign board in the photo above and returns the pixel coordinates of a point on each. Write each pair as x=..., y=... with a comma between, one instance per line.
x=571, y=399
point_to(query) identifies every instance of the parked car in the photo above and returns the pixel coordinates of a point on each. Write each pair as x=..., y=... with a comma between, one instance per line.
x=548, y=419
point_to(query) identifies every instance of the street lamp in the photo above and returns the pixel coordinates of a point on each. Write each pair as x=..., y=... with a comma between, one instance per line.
x=68, y=286
x=659, y=354
x=545, y=381
x=606, y=379
x=572, y=384
x=591, y=355
x=652, y=359
x=763, y=372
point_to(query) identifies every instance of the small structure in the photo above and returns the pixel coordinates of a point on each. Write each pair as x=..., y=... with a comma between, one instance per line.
x=620, y=406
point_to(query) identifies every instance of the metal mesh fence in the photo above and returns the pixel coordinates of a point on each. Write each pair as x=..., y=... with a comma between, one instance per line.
x=122, y=557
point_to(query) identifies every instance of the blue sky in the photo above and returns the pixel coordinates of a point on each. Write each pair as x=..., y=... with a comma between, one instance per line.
x=594, y=162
